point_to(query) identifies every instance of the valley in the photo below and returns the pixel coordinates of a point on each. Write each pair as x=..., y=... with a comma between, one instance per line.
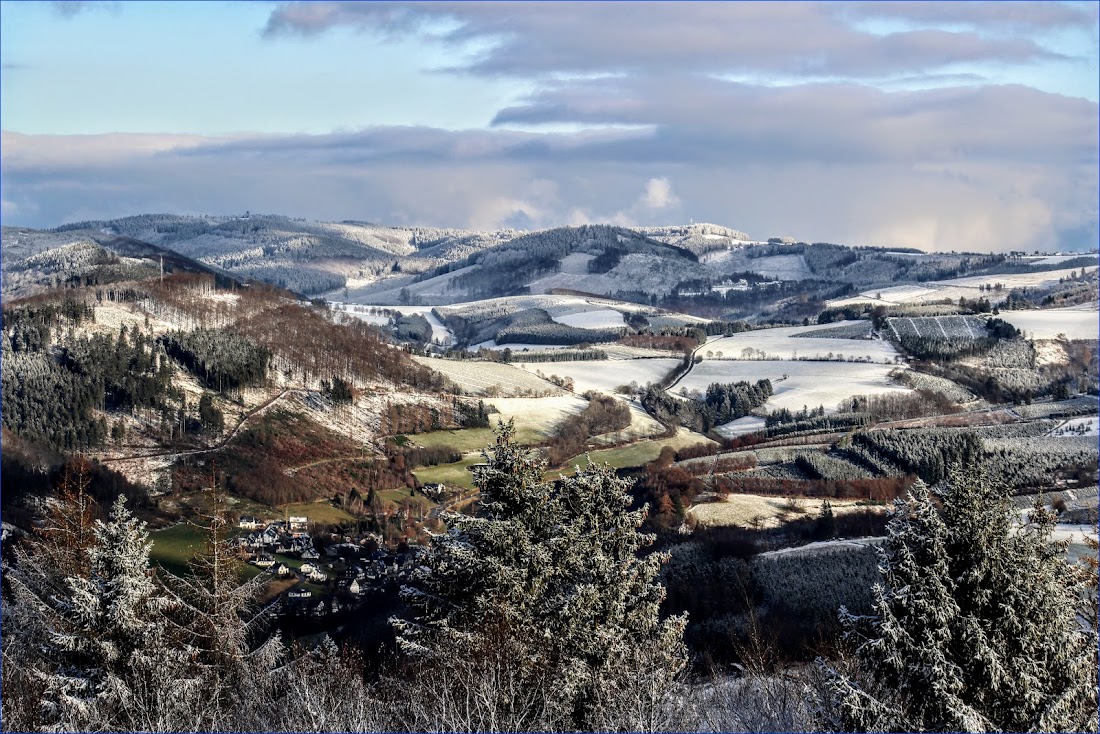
x=759, y=396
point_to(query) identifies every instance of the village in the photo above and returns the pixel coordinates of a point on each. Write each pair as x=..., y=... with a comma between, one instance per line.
x=317, y=576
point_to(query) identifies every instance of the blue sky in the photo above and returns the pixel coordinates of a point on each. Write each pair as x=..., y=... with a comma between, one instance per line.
x=936, y=125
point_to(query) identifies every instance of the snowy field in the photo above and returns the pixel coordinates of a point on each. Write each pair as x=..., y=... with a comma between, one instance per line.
x=779, y=267
x=807, y=384
x=741, y=426
x=1015, y=280
x=1051, y=259
x=792, y=343
x=490, y=378
x=885, y=296
x=1075, y=323
x=954, y=288
x=437, y=289
x=440, y=333
x=599, y=319
x=576, y=263
x=491, y=344
x=605, y=375
x=1089, y=426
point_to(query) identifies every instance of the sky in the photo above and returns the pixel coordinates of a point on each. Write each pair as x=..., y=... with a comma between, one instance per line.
x=945, y=126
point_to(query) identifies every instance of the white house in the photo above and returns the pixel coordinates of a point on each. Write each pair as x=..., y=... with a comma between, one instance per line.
x=248, y=522
x=263, y=561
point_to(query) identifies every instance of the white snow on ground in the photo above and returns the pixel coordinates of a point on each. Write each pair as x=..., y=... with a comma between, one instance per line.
x=491, y=344
x=490, y=378
x=1015, y=280
x=1047, y=324
x=1088, y=426
x=781, y=267
x=600, y=319
x=1052, y=259
x=808, y=384
x=780, y=344
x=576, y=263
x=741, y=426
x=440, y=332
x=604, y=375
x=953, y=288
x=885, y=296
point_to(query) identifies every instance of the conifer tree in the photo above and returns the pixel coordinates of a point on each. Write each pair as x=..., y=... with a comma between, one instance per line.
x=113, y=661
x=545, y=588
x=979, y=625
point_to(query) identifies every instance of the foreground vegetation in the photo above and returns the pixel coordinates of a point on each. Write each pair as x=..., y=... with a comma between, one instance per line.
x=564, y=635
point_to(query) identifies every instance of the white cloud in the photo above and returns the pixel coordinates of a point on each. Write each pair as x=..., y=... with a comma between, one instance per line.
x=658, y=194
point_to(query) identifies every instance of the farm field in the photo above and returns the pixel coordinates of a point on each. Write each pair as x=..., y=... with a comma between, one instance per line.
x=482, y=379
x=1015, y=280
x=1089, y=426
x=174, y=546
x=748, y=509
x=491, y=344
x=453, y=475
x=535, y=418
x=599, y=319
x=797, y=342
x=320, y=512
x=633, y=455
x=741, y=426
x=885, y=296
x=807, y=384
x=780, y=267
x=1075, y=323
x=954, y=288
x=603, y=375
x=1050, y=259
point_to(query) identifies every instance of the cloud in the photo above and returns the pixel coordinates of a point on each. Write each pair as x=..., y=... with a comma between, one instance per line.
x=658, y=194
x=802, y=39
x=73, y=8
x=992, y=169
x=1019, y=16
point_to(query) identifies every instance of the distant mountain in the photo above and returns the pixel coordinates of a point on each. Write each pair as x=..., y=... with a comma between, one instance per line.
x=371, y=263
x=35, y=260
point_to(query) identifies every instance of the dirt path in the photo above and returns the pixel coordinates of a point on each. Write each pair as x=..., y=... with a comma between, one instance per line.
x=332, y=460
x=258, y=410
x=685, y=373
x=454, y=502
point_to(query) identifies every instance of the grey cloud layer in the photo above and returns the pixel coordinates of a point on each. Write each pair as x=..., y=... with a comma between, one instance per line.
x=969, y=168
x=960, y=167
x=801, y=39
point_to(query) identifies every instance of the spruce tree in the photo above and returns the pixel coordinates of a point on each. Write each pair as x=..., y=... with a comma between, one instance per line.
x=546, y=589
x=979, y=625
x=113, y=660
